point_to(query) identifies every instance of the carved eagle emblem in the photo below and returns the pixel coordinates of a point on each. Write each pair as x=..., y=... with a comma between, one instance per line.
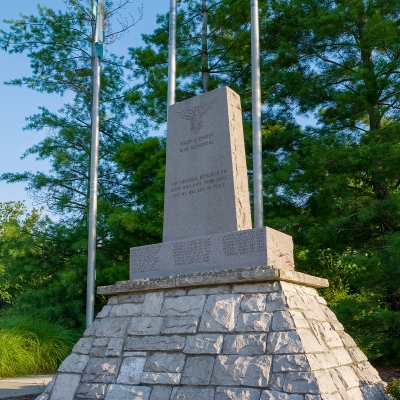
x=195, y=115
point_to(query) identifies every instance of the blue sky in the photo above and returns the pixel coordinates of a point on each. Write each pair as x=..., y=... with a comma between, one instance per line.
x=17, y=103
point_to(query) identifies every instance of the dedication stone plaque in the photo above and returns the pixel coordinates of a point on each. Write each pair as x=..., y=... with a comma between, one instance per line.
x=206, y=186
x=230, y=250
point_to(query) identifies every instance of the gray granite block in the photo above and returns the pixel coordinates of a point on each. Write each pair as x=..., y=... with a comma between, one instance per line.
x=143, y=326
x=165, y=362
x=294, y=382
x=290, y=362
x=373, y=392
x=131, y=298
x=131, y=370
x=284, y=342
x=160, y=393
x=160, y=378
x=187, y=305
x=112, y=300
x=220, y=313
x=253, y=302
x=254, y=322
x=180, y=325
x=126, y=310
x=50, y=385
x=83, y=346
x=209, y=290
x=135, y=354
x=206, y=185
x=124, y=392
x=247, y=344
x=325, y=334
x=114, y=347
x=183, y=393
x=104, y=312
x=273, y=395
x=100, y=342
x=252, y=371
x=175, y=293
x=91, y=330
x=311, y=344
x=91, y=391
x=112, y=327
x=103, y=370
x=152, y=304
x=155, y=343
x=282, y=321
x=43, y=396
x=234, y=250
x=197, y=370
x=65, y=386
x=226, y=393
x=74, y=363
x=256, y=287
x=276, y=301
x=204, y=344
x=97, y=351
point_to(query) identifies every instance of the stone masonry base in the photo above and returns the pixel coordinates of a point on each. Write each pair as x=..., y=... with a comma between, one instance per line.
x=239, y=341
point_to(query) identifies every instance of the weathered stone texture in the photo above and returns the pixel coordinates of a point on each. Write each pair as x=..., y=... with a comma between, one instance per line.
x=91, y=391
x=260, y=341
x=245, y=344
x=161, y=378
x=123, y=392
x=143, y=326
x=114, y=347
x=241, y=371
x=237, y=394
x=184, y=393
x=74, y=363
x=204, y=344
x=156, y=343
x=198, y=370
x=152, y=304
x=160, y=392
x=111, y=327
x=220, y=313
x=65, y=386
x=180, y=325
x=83, y=346
x=101, y=370
x=257, y=322
x=188, y=305
x=253, y=302
x=131, y=370
x=165, y=362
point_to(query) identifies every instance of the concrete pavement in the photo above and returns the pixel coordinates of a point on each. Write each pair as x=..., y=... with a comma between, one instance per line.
x=14, y=387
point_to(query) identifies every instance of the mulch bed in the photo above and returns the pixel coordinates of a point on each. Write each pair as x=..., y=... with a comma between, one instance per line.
x=387, y=374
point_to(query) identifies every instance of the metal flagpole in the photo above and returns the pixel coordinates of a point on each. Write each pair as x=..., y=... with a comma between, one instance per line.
x=172, y=54
x=256, y=116
x=94, y=161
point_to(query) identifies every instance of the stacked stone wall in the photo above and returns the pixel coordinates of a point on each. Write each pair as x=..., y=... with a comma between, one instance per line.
x=254, y=341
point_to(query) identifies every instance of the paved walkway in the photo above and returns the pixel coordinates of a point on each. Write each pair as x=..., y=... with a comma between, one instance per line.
x=14, y=387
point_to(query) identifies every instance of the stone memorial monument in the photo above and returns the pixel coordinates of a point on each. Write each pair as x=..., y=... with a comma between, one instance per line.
x=216, y=311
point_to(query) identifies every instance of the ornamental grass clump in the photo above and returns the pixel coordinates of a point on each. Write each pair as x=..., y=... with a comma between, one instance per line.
x=30, y=347
x=393, y=389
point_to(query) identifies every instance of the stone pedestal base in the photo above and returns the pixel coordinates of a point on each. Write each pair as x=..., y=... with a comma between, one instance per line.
x=247, y=338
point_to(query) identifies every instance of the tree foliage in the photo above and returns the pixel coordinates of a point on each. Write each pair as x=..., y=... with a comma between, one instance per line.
x=333, y=185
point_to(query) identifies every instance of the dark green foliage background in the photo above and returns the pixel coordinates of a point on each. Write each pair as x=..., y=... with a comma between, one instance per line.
x=333, y=185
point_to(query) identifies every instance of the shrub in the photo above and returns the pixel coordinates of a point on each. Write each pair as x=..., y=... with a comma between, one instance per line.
x=393, y=389
x=30, y=346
